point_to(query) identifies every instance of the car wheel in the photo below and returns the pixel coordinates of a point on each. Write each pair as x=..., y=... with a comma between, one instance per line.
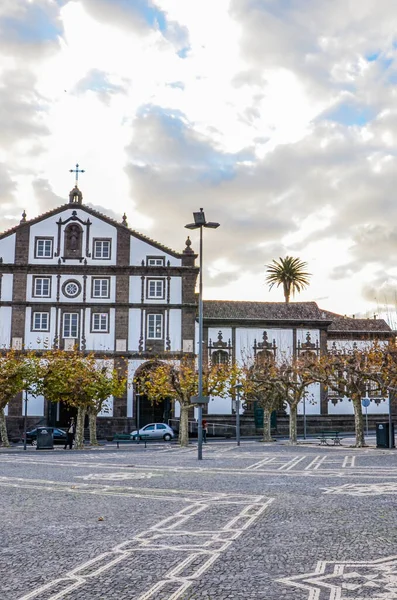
x=34, y=442
x=167, y=437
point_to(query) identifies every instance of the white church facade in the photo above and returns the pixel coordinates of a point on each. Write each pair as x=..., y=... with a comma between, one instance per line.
x=74, y=276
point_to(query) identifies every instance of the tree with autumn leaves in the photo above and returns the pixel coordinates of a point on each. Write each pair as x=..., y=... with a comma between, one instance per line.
x=80, y=380
x=356, y=373
x=178, y=380
x=18, y=372
x=260, y=384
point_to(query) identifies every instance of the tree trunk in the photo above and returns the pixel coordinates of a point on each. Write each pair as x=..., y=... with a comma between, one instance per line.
x=292, y=424
x=287, y=292
x=267, y=437
x=358, y=422
x=3, y=429
x=92, y=425
x=184, y=426
x=79, y=445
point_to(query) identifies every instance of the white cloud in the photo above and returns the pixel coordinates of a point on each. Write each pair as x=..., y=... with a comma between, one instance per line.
x=277, y=117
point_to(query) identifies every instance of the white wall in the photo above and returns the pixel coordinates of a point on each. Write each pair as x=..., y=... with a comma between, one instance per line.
x=134, y=328
x=98, y=340
x=5, y=326
x=6, y=287
x=245, y=338
x=311, y=405
x=139, y=250
x=39, y=339
x=220, y=406
x=176, y=329
x=35, y=406
x=345, y=407
x=7, y=249
x=98, y=229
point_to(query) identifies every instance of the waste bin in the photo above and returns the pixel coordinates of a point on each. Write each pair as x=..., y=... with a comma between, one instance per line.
x=382, y=435
x=45, y=438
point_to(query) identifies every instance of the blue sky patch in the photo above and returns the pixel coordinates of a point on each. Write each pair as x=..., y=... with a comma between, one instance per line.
x=36, y=25
x=184, y=52
x=181, y=144
x=349, y=115
x=177, y=85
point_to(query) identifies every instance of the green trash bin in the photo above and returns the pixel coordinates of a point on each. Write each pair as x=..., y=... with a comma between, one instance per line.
x=45, y=438
x=382, y=435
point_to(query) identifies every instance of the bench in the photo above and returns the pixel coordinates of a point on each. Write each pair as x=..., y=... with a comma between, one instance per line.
x=125, y=438
x=332, y=436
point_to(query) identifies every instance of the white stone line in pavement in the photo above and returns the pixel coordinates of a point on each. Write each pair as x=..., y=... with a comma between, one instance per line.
x=292, y=463
x=190, y=496
x=363, y=489
x=315, y=462
x=204, y=547
x=118, y=476
x=264, y=461
x=265, y=467
x=348, y=580
x=349, y=462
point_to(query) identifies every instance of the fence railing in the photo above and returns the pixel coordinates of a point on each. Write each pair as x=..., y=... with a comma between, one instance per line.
x=212, y=428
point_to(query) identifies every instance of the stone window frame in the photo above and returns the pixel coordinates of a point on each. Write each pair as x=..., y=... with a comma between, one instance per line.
x=67, y=283
x=155, y=316
x=40, y=312
x=155, y=261
x=67, y=312
x=94, y=241
x=155, y=279
x=36, y=278
x=101, y=312
x=93, y=287
x=44, y=239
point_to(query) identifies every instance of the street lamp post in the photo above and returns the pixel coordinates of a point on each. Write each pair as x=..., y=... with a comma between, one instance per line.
x=238, y=387
x=391, y=440
x=199, y=223
x=137, y=401
x=25, y=418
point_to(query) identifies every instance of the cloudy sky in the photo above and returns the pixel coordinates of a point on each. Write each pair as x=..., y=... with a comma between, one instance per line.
x=278, y=117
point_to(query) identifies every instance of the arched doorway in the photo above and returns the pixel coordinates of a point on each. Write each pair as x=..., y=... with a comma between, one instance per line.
x=145, y=411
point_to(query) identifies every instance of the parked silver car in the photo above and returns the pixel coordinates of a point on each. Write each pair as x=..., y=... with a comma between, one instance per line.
x=154, y=431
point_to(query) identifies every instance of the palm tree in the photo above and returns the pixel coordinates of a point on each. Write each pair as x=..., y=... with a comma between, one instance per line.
x=290, y=272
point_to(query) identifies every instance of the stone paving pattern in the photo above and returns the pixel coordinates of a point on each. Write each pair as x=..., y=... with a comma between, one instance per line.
x=252, y=522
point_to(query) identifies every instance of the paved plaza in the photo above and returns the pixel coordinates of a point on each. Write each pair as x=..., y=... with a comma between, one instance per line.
x=255, y=522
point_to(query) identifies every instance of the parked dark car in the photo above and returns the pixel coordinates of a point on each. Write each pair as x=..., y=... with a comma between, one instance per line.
x=59, y=436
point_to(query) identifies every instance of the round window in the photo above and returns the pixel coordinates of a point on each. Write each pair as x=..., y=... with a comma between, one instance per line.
x=71, y=288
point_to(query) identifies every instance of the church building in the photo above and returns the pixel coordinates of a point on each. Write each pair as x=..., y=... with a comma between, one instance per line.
x=75, y=277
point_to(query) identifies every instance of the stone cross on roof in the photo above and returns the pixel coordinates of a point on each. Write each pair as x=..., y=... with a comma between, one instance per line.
x=77, y=171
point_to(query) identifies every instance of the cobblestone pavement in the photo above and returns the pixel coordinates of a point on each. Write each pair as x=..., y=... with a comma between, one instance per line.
x=251, y=522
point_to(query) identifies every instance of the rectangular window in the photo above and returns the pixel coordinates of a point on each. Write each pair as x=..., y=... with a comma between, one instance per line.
x=100, y=321
x=100, y=288
x=41, y=321
x=42, y=287
x=43, y=248
x=155, y=288
x=70, y=325
x=155, y=327
x=102, y=249
x=155, y=261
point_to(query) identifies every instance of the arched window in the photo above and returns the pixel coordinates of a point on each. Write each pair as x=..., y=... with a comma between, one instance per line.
x=220, y=357
x=264, y=356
